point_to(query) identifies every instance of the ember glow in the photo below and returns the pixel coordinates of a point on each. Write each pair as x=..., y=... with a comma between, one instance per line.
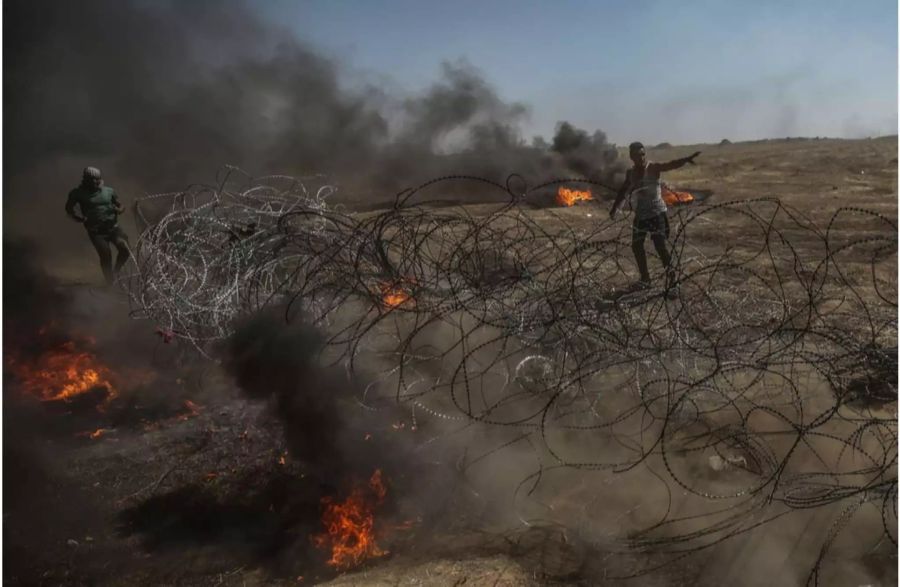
x=393, y=295
x=62, y=373
x=193, y=410
x=350, y=524
x=99, y=432
x=567, y=197
x=190, y=410
x=672, y=198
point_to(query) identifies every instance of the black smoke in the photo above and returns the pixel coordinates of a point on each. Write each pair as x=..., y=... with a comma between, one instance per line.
x=587, y=155
x=273, y=359
x=32, y=300
x=276, y=360
x=162, y=94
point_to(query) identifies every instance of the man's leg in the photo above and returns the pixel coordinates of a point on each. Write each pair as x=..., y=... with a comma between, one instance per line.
x=101, y=245
x=122, y=255
x=659, y=236
x=638, y=234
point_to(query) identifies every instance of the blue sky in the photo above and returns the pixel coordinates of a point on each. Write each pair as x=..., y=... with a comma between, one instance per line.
x=693, y=71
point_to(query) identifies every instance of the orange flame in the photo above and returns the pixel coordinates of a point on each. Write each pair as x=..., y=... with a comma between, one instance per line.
x=349, y=525
x=62, y=373
x=567, y=197
x=392, y=299
x=672, y=198
x=394, y=295
x=95, y=434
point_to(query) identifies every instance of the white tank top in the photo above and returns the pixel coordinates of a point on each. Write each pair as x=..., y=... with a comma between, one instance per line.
x=647, y=199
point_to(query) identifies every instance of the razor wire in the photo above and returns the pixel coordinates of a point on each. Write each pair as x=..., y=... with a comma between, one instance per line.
x=775, y=357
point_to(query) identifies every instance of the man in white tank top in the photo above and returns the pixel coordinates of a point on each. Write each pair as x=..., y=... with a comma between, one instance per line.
x=642, y=182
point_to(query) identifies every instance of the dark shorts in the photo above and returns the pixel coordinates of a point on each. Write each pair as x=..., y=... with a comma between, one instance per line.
x=107, y=232
x=655, y=226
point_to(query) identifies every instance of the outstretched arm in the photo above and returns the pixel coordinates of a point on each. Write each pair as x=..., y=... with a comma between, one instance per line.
x=621, y=195
x=70, y=208
x=676, y=163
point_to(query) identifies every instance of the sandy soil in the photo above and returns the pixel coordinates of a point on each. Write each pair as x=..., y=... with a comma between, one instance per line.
x=206, y=494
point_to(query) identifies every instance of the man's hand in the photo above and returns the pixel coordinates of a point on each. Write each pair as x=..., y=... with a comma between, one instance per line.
x=675, y=163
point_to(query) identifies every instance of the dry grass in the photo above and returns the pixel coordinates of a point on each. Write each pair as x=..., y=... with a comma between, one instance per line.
x=816, y=177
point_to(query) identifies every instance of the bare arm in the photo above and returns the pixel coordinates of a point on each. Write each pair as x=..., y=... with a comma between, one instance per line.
x=118, y=205
x=676, y=163
x=70, y=208
x=623, y=191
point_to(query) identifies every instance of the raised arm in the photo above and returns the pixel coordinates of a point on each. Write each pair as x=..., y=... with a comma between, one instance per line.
x=676, y=163
x=623, y=191
x=70, y=208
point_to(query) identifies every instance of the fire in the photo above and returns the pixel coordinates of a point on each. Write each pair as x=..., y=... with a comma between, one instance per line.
x=95, y=434
x=393, y=298
x=567, y=197
x=672, y=198
x=350, y=524
x=62, y=373
x=394, y=295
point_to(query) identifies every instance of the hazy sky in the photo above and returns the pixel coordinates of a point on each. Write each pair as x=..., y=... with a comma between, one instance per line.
x=693, y=71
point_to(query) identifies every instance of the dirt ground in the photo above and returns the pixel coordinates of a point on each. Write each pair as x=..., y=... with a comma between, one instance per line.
x=191, y=483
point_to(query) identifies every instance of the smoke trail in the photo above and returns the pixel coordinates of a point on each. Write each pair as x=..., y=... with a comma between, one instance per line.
x=161, y=94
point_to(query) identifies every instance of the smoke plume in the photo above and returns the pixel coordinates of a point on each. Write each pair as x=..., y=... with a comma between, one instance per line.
x=162, y=94
x=273, y=359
